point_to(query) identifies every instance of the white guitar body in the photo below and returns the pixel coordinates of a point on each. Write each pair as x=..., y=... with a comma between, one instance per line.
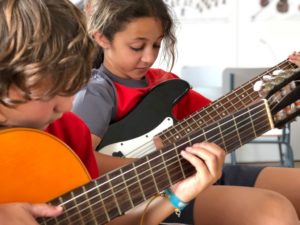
x=138, y=146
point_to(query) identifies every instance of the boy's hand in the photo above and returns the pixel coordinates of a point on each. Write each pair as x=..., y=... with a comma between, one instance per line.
x=295, y=58
x=208, y=160
x=25, y=213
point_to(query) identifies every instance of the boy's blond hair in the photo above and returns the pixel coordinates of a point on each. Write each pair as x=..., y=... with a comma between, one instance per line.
x=44, y=43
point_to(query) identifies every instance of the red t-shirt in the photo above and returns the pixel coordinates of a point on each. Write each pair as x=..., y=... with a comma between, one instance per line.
x=73, y=131
x=128, y=97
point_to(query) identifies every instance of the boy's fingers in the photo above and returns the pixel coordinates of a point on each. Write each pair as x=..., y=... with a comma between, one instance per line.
x=44, y=210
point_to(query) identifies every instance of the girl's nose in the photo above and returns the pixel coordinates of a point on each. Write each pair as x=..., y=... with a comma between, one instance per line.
x=149, y=56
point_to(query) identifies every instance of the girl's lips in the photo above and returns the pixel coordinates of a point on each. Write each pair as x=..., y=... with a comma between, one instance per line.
x=143, y=69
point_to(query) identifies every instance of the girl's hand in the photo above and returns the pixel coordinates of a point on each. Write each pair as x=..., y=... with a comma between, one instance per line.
x=25, y=213
x=295, y=58
x=208, y=160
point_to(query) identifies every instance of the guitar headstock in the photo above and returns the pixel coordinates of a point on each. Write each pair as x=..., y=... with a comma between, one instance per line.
x=282, y=91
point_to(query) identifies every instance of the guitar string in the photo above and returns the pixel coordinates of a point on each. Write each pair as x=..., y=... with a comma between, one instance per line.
x=139, y=165
x=149, y=145
x=123, y=189
x=104, y=206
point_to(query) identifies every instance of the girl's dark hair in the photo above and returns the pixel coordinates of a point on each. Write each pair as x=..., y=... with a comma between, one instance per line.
x=111, y=16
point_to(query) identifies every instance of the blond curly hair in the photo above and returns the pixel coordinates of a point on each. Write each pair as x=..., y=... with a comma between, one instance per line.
x=43, y=42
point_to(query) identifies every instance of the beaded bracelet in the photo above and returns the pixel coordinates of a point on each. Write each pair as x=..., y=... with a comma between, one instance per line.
x=175, y=201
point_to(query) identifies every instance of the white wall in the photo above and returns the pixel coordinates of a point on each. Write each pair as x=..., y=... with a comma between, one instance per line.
x=227, y=36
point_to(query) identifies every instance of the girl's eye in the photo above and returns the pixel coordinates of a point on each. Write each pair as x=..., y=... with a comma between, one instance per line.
x=156, y=46
x=137, y=49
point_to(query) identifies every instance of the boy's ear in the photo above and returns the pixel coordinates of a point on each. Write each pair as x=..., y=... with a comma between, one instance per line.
x=101, y=40
x=2, y=117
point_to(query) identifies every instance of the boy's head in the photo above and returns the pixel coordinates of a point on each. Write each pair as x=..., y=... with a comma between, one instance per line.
x=45, y=49
x=111, y=16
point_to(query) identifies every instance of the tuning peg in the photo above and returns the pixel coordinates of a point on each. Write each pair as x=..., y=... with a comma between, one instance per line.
x=262, y=88
x=267, y=78
x=258, y=85
x=277, y=72
x=281, y=115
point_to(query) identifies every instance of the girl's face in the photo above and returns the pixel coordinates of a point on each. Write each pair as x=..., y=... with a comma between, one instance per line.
x=134, y=49
x=35, y=113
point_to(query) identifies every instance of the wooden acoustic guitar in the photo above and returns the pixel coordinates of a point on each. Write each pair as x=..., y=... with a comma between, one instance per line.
x=36, y=167
x=133, y=135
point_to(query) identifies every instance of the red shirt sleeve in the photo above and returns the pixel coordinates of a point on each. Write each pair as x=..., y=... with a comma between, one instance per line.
x=73, y=131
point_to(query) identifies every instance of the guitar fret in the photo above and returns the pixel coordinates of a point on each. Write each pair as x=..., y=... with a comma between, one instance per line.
x=131, y=179
x=184, y=128
x=76, y=212
x=212, y=134
x=91, y=206
x=114, y=196
x=181, y=131
x=214, y=115
x=186, y=169
x=224, y=105
x=260, y=122
x=159, y=172
x=167, y=172
x=252, y=125
x=224, y=129
x=227, y=108
x=118, y=185
x=71, y=212
x=93, y=192
x=107, y=196
x=139, y=181
x=222, y=143
x=172, y=164
x=245, y=131
x=146, y=177
x=127, y=189
x=152, y=174
x=237, y=132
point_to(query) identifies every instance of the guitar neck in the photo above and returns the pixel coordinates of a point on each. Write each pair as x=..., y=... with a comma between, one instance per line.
x=111, y=195
x=226, y=105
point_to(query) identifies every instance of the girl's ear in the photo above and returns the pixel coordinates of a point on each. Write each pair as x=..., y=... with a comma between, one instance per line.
x=101, y=40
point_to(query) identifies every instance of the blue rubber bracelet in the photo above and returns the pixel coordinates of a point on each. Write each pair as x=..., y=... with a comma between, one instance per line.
x=175, y=201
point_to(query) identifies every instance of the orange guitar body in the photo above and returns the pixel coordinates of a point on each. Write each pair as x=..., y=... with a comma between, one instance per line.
x=37, y=167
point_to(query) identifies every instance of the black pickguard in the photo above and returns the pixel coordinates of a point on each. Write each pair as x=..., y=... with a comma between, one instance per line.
x=148, y=114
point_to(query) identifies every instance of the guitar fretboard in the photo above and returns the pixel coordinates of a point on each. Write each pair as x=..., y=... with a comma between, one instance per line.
x=111, y=195
x=226, y=105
